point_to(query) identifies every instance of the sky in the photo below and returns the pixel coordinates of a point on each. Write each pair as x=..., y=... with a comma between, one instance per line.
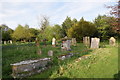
x=14, y=12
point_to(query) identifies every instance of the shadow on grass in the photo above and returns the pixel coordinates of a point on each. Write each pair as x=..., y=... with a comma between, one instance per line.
x=62, y=78
x=117, y=76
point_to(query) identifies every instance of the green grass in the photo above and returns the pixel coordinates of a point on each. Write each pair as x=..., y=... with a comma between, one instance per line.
x=103, y=62
x=19, y=52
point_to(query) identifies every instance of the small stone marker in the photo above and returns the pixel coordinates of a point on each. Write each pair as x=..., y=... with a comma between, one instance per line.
x=86, y=40
x=50, y=53
x=74, y=41
x=112, y=41
x=54, y=42
x=95, y=42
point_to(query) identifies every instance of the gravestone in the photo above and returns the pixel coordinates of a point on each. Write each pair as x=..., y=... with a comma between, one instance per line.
x=54, y=42
x=95, y=42
x=86, y=40
x=5, y=42
x=112, y=41
x=74, y=41
x=50, y=53
x=30, y=67
x=10, y=41
x=66, y=45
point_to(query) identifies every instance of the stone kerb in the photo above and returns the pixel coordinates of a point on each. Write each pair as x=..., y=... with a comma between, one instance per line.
x=29, y=67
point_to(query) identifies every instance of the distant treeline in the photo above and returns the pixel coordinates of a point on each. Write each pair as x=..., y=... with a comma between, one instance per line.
x=102, y=27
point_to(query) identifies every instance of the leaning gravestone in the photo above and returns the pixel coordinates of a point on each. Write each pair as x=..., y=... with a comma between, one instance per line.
x=95, y=42
x=112, y=41
x=50, y=53
x=10, y=41
x=73, y=41
x=86, y=40
x=30, y=67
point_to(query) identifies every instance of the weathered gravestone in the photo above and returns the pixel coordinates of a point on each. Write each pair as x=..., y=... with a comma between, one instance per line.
x=86, y=40
x=95, y=42
x=10, y=41
x=66, y=45
x=112, y=41
x=50, y=53
x=30, y=67
x=74, y=41
x=54, y=42
x=5, y=42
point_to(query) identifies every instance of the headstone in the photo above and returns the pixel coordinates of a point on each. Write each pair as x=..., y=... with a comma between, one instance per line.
x=112, y=41
x=39, y=52
x=50, y=53
x=74, y=41
x=5, y=42
x=86, y=40
x=10, y=41
x=63, y=46
x=54, y=42
x=95, y=42
x=66, y=45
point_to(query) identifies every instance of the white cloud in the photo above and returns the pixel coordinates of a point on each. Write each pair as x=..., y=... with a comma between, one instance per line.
x=14, y=12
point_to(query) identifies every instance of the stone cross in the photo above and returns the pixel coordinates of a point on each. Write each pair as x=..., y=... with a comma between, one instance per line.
x=95, y=42
x=112, y=41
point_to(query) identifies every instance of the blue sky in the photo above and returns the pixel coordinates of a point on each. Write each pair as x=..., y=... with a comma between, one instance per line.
x=14, y=12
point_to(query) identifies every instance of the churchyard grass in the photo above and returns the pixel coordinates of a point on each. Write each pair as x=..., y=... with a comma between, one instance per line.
x=13, y=53
x=102, y=62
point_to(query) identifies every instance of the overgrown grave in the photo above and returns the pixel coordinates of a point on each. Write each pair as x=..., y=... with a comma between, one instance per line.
x=30, y=67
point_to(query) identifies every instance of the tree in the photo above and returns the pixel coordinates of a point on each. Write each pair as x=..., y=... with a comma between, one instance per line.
x=81, y=29
x=22, y=33
x=66, y=25
x=6, y=32
x=104, y=26
x=115, y=11
x=57, y=31
x=43, y=22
